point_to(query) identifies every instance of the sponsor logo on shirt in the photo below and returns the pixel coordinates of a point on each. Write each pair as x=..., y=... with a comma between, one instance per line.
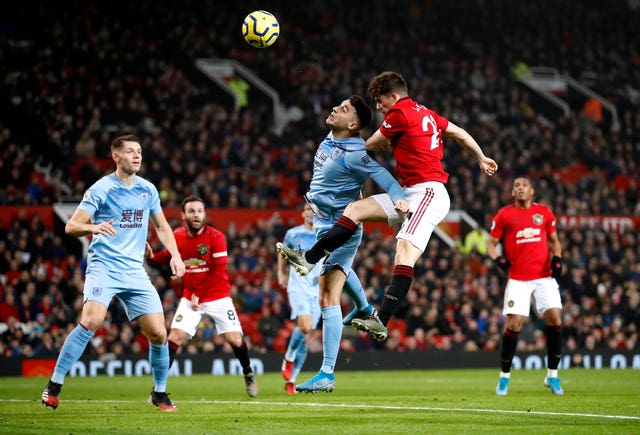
x=320, y=158
x=385, y=124
x=196, y=265
x=194, y=262
x=528, y=235
x=131, y=218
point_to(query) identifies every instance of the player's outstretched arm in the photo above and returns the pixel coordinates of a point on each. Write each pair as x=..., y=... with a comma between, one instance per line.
x=487, y=165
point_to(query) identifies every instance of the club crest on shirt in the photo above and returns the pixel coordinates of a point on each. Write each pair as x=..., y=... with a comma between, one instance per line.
x=178, y=318
x=537, y=219
x=511, y=304
x=203, y=249
x=336, y=153
x=144, y=196
x=97, y=291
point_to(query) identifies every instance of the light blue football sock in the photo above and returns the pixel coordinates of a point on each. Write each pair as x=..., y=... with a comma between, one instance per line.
x=159, y=359
x=296, y=339
x=71, y=350
x=301, y=357
x=354, y=289
x=331, y=335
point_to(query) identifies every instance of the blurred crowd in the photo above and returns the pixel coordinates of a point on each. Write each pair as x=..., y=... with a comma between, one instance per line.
x=73, y=77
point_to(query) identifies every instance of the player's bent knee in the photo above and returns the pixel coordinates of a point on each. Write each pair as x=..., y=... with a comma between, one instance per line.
x=91, y=324
x=157, y=336
x=305, y=329
x=356, y=211
x=233, y=338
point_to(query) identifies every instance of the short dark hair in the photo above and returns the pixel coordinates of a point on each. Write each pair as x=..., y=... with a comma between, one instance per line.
x=363, y=111
x=386, y=83
x=524, y=177
x=191, y=198
x=120, y=140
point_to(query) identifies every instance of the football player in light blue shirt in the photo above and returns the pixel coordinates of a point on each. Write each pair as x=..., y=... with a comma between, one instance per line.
x=304, y=298
x=116, y=211
x=341, y=166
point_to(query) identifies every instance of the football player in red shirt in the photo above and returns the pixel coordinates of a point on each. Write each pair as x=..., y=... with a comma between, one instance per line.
x=414, y=134
x=527, y=230
x=207, y=289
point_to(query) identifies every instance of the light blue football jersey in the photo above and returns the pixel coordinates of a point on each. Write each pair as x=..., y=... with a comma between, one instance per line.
x=340, y=168
x=129, y=207
x=301, y=238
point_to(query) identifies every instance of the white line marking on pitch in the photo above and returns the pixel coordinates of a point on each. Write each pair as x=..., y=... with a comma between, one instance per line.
x=344, y=405
x=429, y=408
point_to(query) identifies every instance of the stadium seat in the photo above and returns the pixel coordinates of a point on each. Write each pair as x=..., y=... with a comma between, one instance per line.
x=399, y=324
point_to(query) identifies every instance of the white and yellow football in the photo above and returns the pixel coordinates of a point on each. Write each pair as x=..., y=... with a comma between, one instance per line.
x=260, y=29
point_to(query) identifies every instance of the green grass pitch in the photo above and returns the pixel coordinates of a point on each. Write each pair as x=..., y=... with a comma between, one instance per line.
x=380, y=402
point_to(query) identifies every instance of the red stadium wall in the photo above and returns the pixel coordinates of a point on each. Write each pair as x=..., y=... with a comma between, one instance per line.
x=221, y=219
x=9, y=213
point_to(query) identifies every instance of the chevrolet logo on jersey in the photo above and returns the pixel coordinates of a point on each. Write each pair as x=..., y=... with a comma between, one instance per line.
x=528, y=233
x=194, y=262
x=537, y=219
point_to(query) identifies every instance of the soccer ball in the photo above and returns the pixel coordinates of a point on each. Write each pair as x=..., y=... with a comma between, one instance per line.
x=260, y=29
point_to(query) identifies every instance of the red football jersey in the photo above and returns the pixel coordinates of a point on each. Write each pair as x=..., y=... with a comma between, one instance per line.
x=524, y=238
x=415, y=133
x=205, y=259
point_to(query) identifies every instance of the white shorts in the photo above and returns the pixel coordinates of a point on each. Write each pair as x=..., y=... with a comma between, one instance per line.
x=517, y=296
x=429, y=204
x=222, y=312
